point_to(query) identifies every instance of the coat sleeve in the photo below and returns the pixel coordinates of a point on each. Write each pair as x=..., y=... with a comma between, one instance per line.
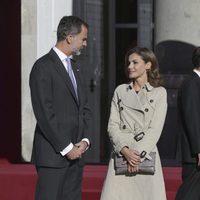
x=190, y=111
x=43, y=106
x=117, y=139
x=154, y=129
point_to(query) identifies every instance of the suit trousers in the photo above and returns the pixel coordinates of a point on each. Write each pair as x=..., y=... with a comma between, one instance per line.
x=59, y=183
x=187, y=169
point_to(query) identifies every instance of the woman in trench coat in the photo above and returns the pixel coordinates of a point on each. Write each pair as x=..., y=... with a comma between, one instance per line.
x=138, y=110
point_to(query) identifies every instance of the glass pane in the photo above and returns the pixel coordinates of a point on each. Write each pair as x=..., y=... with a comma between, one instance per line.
x=126, y=11
x=125, y=39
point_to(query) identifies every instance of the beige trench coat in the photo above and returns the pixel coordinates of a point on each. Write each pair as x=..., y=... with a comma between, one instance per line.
x=132, y=113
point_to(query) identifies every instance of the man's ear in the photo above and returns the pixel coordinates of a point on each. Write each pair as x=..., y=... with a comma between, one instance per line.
x=69, y=39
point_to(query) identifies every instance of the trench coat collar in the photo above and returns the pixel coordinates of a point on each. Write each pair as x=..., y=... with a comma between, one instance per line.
x=147, y=86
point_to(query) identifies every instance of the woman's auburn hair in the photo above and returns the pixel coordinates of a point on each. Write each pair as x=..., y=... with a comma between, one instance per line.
x=147, y=55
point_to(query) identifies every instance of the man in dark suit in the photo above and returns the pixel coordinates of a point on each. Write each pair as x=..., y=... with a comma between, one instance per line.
x=62, y=113
x=189, y=114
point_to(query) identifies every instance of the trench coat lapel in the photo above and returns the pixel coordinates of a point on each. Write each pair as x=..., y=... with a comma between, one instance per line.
x=131, y=99
x=137, y=101
x=145, y=94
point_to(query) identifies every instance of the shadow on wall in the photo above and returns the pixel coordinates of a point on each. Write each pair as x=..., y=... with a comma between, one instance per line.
x=175, y=60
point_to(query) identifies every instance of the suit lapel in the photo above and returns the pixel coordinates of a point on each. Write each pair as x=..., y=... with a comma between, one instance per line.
x=63, y=73
x=196, y=78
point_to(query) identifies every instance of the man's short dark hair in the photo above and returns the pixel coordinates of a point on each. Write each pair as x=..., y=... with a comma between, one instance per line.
x=196, y=58
x=69, y=25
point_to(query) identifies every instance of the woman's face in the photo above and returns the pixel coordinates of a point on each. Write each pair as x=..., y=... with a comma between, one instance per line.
x=137, y=68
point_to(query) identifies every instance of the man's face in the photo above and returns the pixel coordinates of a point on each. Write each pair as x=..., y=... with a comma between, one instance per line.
x=79, y=41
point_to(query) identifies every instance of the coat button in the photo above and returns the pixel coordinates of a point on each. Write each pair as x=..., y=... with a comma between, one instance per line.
x=143, y=154
x=146, y=109
x=121, y=108
x=124, y=126
x=151, y=100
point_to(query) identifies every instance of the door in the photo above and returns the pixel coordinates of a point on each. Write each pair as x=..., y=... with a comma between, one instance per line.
x=92, y=61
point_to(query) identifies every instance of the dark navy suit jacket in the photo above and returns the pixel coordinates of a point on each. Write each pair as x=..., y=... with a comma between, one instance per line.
x=61, y=118
x=189, y=115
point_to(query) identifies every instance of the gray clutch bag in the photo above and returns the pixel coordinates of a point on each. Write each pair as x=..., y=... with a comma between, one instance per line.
x=145, y=167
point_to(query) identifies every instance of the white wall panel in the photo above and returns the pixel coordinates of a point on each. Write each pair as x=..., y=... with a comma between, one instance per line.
x=39, y=23
x=49, y=15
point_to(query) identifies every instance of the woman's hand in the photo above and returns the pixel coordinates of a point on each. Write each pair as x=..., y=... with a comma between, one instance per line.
x=131, y=155
x=132, y=169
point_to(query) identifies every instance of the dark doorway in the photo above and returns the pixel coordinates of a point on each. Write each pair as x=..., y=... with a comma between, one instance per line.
x=10, y=81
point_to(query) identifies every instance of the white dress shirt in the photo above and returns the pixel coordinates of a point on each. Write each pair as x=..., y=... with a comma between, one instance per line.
x=197, y=71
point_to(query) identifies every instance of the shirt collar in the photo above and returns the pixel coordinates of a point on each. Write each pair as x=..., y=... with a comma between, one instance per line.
x=197, y=72
x=60, y=54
